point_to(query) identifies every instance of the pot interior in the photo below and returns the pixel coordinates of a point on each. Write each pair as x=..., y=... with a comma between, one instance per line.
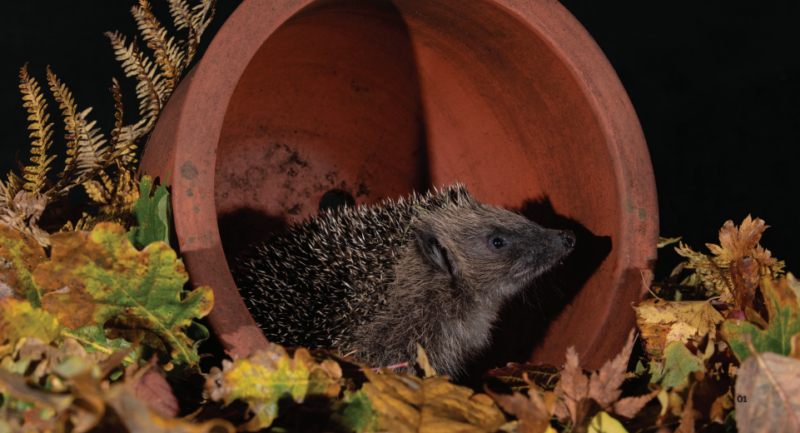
x=369, y=100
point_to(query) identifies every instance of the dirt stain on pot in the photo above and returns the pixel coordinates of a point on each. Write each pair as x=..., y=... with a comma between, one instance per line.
x=189, y=171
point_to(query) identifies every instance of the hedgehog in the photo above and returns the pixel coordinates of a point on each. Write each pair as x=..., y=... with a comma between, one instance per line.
x=373, y=281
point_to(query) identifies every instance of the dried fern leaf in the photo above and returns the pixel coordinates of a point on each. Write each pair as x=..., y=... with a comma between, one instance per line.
x=181, y=14
x=126, y=155
x=96, y=192
x=149, y=90
x=91, y=152
x=85, y=149
x=70, y=113
x=3, y=196
x=168, y=55
x=36, y=175
x=204, y=13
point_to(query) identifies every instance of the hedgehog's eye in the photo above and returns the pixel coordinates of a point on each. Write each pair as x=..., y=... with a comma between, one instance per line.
x=497, y=243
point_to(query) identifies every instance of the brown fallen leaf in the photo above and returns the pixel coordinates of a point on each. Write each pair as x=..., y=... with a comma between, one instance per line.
x=735, y=243
x=768, y=392
x=410, y=404
x=795, y=342
x=581, y=397
x=745, y=278
x=545, y=376
x=533, y=411
x=152, y=388
x=133, y=415
x=689, y=415
x=630, y=406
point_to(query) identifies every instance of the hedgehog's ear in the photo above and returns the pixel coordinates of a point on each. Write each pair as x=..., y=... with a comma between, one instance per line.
x=434, y=252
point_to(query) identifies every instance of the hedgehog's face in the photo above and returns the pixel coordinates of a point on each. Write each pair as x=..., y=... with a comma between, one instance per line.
x=491, y=248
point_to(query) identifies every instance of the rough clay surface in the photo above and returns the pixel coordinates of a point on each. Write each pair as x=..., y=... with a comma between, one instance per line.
x=373, y=281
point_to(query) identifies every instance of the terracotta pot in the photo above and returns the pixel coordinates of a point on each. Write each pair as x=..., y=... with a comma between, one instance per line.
x=373, y=99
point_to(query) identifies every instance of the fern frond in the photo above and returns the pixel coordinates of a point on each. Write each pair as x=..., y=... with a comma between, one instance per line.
x=70, y=112
x=181, y=14
x=96, y=192
x=126, y=157
x=36, y=175
x=11, y=188
x=85, y=150
x=3, y=196
x=204, y=13
x=168, y=55
x=150, y=87
x=132, y=133
x=91, y=154
x=83, y=223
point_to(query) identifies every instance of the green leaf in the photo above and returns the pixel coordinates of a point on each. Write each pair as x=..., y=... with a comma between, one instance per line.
x=19, y=319
x=153, y=215
x=97, y=278
x=19, y=255
x=93, y=339
x=679, y=362
x=781, y=299
x=355, y=412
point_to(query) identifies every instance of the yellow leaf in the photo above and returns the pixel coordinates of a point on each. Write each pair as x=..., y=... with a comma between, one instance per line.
x=266, y=377
x=662, y=322
x=411, y=404
x=604, y=423
x=18, y=319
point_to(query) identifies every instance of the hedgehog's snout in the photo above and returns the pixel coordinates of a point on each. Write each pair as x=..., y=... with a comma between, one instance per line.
x=567, y=239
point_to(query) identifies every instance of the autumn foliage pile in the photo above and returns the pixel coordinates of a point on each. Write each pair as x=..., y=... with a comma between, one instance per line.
x=98, y=331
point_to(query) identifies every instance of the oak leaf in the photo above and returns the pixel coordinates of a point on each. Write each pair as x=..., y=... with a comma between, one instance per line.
x=266, y=377
x=18, y=319
x=94, y=277
x=410, y=404
x=782, y=299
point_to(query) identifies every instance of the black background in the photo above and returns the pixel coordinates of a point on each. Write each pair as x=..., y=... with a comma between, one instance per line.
x=716, y=86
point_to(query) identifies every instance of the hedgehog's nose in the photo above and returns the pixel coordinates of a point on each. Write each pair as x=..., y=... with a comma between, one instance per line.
x=568, y=239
